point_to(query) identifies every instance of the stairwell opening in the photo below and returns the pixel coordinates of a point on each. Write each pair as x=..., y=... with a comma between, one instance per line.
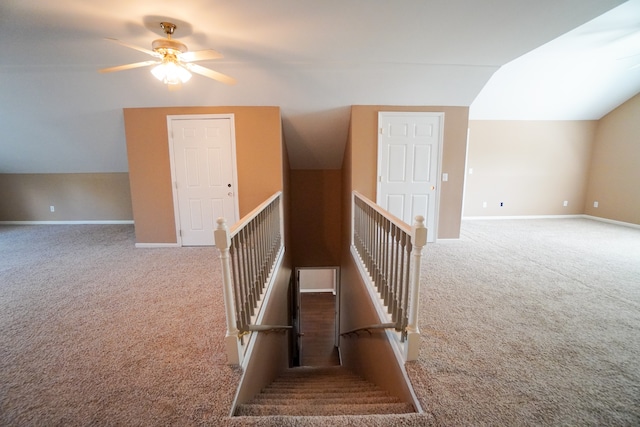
x=318, y=385
x=316, y=317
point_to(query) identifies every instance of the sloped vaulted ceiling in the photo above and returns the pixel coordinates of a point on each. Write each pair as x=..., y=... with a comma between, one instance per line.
x=312, y=58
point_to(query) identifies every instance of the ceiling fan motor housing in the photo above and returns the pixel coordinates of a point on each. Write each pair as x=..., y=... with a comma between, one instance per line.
x=167, y=45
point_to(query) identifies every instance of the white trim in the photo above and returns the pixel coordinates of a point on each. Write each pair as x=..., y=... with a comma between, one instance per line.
x=157, y=245
x=473, y=218
x=234, y=169
x=613, y=221
x=464, y=176
x=397, y=351
x=584, y=216
x=82, y=222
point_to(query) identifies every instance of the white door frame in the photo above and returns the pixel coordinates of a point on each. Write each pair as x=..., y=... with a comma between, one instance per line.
x=174, y=189
x=440, y=115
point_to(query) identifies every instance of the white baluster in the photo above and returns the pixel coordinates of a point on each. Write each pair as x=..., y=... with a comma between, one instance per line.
x=419, y=239
x=232, y=343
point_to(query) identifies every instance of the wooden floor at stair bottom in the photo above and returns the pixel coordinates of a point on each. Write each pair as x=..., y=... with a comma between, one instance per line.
x=317, y=321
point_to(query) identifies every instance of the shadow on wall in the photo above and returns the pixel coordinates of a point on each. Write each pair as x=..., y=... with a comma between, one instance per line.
x=316, y=217
x=303, y=130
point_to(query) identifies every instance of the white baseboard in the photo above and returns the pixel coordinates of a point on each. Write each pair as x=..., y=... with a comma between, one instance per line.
x=104, y=222
x=157, y=245
x=613, y=221
x=473, y=218
x=594, y=218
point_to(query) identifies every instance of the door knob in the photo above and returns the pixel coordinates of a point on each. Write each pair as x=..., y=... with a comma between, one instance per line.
x=230, y=194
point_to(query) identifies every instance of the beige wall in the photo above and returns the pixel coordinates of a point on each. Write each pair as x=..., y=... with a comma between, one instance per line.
x=316, y=217
x=75, y=196
x=259, y=155
x=614, y=174
x=364, y=149
x=530, y=166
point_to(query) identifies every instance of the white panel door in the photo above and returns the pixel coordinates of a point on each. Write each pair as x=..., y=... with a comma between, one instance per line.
x=204, y=166
x=409, y=146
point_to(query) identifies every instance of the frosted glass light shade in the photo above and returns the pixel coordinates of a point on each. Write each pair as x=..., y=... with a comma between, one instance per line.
x=171, y=73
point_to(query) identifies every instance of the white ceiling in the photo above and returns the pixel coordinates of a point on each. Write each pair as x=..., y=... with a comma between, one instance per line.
x=314, y=59
x=581, y=75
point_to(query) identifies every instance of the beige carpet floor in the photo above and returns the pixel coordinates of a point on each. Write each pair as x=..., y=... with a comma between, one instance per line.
x=96, y=332
x=524, y=323
x=532, y=323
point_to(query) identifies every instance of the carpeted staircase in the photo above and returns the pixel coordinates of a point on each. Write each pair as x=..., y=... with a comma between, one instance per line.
x=316, y=391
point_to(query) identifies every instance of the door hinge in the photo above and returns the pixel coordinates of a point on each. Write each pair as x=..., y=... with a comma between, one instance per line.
x=180, y=233
x=381, y=131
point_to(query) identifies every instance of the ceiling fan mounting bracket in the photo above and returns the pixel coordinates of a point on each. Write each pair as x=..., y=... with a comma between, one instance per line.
x=168, y=28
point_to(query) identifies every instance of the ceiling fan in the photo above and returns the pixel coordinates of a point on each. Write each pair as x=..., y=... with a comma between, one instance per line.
x=173, y=63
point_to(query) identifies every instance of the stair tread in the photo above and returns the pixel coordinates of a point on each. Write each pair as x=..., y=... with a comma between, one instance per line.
x=301, y=385
x=322, y=400
x=360, y=420
x=335, y=409
x=306, y=395
x=318, y=391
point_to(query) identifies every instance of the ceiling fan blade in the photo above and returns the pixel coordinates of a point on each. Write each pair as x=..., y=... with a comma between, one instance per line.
x=200, y=55
x=128, y=66
x=210, y=73
x=138, y=48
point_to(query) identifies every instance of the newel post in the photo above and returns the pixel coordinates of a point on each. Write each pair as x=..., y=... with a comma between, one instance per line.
x=418, y=240
x=223, y=243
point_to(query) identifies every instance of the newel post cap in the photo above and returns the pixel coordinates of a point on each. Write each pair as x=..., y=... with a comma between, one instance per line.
x=419, y=232
x=221, y=234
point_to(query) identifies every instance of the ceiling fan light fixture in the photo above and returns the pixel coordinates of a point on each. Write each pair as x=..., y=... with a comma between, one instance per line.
x=171, y=73
x=173, y=60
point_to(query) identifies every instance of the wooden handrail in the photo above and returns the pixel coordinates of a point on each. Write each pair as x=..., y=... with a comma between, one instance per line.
x=251, y=215
x=394, y=219
x=368, y=328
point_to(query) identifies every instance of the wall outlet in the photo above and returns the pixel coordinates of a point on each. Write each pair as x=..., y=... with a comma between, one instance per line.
x=445, y=177
x=501, y=204
x=52, y=208
x=565, y=203
x=595, y=204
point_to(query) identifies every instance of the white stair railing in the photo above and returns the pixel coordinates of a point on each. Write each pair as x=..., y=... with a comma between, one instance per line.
x=249, y=254
x=388, y=253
